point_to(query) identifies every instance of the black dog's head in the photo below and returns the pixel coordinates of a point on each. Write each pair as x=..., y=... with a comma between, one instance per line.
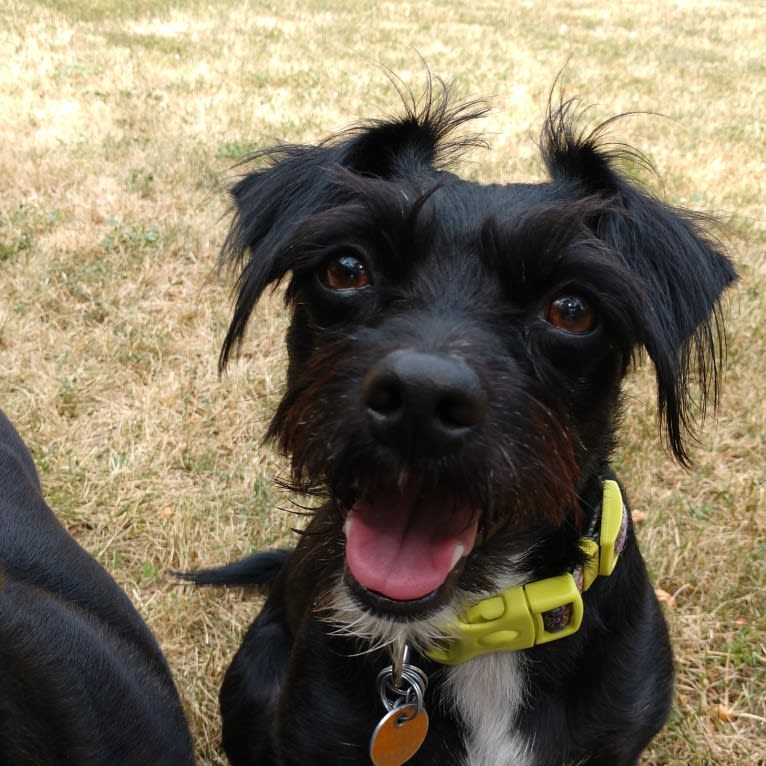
x=456, y=350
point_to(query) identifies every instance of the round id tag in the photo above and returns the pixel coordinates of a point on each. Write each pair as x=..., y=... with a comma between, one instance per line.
x=398, y=736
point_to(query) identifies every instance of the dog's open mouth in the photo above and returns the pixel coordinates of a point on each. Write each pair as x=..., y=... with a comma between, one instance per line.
x=405, y=549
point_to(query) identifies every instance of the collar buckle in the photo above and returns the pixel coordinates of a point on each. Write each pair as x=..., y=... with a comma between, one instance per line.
x=518, y=618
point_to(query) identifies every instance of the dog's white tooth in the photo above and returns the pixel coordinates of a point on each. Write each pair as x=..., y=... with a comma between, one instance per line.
x=347, y=525
x=457, y=554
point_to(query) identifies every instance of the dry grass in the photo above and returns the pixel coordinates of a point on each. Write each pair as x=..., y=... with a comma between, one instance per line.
x=119, y=120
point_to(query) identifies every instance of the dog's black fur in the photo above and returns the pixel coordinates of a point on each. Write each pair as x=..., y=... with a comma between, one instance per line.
x=461, y=346
x=82, y=680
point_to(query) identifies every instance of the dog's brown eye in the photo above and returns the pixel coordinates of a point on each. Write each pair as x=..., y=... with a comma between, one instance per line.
x=571, y=313
x=346, y=272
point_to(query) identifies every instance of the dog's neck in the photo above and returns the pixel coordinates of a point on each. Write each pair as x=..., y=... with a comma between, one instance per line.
x=546, y=610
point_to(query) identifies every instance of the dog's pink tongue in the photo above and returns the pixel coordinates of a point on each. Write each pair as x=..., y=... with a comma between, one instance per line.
x=404, y=547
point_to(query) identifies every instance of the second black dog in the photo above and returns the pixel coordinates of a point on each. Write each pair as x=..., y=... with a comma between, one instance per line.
x=82, y=680
x=456, y=354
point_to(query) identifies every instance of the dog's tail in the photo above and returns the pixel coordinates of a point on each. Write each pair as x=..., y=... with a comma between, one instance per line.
x=260, y=568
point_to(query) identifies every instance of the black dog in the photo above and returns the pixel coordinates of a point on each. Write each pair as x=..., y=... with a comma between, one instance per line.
x=82, y=680
x=456, y=353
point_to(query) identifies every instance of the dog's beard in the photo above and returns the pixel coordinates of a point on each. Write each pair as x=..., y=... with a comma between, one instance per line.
x=418, y=554
x=372, y=631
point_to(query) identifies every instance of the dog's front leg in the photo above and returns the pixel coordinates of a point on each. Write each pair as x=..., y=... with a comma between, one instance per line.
x=295, y=694
x=251, y=690
x=329, y=705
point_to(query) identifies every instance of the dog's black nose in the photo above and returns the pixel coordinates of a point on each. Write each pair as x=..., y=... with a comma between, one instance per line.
x=419, y=402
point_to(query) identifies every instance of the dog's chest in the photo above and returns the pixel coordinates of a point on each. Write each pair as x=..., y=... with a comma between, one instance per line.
x=486, y=693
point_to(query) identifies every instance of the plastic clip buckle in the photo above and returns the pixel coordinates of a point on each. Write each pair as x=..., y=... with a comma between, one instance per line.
x=513, y=620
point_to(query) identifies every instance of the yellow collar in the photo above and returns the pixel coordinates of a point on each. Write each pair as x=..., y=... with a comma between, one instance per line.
x=542, y=611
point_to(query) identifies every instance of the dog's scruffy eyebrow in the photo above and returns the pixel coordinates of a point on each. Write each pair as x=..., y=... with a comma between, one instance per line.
x=385, y=219
x=535, y=240
x=551, y=250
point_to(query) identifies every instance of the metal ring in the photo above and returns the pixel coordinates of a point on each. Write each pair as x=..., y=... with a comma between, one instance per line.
x=382, y=682
x=416, y=681
x=415, y=677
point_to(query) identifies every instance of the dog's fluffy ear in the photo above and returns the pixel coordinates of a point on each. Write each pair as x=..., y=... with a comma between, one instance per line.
x=681, y=269
x=298, y=182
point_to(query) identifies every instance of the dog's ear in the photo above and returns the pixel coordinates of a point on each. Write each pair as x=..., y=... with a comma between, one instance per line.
x=299, y=182
x=681, y=269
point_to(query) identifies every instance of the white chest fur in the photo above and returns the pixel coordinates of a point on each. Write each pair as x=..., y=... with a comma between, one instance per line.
x=487, y=692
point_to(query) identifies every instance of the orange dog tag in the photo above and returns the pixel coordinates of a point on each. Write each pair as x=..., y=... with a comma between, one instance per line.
x=398, y=736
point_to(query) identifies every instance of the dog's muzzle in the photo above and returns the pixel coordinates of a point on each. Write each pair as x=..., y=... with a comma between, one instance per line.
x=406, y=544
